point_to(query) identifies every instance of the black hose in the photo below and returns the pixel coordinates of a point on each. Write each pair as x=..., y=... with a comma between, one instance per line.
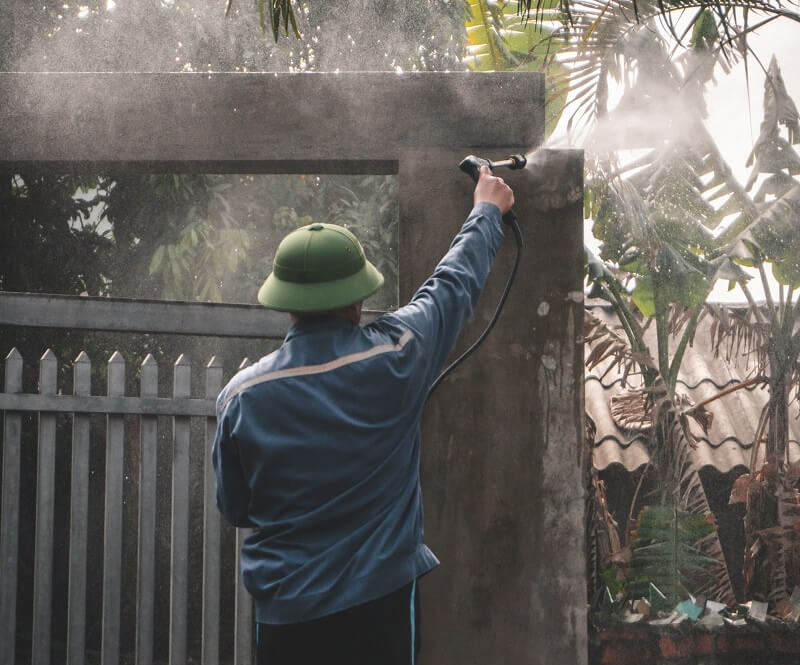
x=510, y=219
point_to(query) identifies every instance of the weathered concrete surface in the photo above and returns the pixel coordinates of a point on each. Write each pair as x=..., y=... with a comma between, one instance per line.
x=502, y=435
x=281, y=123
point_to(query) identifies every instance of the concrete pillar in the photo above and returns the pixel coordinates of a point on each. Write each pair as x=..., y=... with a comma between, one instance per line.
x=502, y=453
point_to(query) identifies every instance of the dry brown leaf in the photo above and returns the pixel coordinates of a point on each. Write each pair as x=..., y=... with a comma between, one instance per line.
x=630, y=410
x=740, y=489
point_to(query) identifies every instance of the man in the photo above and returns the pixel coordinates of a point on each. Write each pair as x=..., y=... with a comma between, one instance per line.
x=318, y=443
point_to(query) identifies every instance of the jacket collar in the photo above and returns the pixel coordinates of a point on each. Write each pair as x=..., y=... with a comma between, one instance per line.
x=323, y=323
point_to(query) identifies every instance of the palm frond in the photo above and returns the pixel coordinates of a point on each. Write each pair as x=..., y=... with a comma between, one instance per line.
x=735, y=333
x=609, y=38
x=606, y=344
x=276, y=13
x=674, y=456
x=692, y=499
x=665, y=550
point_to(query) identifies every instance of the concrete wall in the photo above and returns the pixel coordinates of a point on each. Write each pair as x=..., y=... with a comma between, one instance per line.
x=265, y=123
x=502, y=436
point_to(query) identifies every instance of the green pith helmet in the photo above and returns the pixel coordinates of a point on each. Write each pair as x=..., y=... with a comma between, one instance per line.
x=317, y=268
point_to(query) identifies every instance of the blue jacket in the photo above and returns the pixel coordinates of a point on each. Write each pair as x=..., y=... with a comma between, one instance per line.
x=318, y=444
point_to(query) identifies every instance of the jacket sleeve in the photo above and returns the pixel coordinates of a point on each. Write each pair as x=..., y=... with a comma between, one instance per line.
x=233, y=491
x=441, y=306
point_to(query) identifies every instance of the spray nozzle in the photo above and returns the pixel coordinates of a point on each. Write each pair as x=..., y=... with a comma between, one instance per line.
x=471, y=165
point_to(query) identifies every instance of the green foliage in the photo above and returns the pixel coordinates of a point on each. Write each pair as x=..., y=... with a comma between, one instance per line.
x=704, y=30
x=652, y=226
x=280, y=11
x=499, y=38
x=185, y=237
x=225, y=253
x=603, y=38
x=204, y=259
x=773, y=236
x=642, y=296
x=50, y=242
x=145, y=212
x=370, y=210
x=665, y=550
x=654, y=215
x=770, y=237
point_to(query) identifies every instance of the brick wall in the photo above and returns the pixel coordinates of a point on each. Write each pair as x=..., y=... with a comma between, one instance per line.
x=766, y=644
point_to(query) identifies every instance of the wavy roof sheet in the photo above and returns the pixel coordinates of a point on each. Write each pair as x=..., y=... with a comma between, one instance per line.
x=729, y=442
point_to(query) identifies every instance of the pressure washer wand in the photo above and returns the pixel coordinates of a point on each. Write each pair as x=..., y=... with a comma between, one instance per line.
x=471, y=165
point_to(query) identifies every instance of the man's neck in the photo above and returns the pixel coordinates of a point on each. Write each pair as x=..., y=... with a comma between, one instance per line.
x=351, y=313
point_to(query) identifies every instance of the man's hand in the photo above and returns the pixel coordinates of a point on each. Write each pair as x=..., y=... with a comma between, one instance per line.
x=492, y=189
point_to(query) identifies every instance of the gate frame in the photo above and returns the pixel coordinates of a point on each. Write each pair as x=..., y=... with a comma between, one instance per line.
x=503, y=441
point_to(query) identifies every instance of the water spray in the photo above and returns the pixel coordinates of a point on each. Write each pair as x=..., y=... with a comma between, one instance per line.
x=471, y=165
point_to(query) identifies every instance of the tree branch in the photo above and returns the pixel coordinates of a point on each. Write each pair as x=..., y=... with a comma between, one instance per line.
x=761, y=378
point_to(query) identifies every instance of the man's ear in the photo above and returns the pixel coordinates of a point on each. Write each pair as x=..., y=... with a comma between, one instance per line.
x=353, y=312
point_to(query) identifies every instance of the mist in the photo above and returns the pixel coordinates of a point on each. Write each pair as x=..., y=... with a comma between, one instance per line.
x=178, y=36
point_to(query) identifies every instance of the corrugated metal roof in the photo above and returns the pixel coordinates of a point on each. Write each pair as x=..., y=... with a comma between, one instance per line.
x=729, y=441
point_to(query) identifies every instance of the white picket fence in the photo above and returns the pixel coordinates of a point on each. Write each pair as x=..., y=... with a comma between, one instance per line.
x=116, y=406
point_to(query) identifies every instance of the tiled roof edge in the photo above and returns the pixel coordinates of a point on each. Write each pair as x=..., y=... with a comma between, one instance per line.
x=719, y=386
x=643, y=438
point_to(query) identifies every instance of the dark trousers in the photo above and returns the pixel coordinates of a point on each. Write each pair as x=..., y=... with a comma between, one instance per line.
x=379, y=632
